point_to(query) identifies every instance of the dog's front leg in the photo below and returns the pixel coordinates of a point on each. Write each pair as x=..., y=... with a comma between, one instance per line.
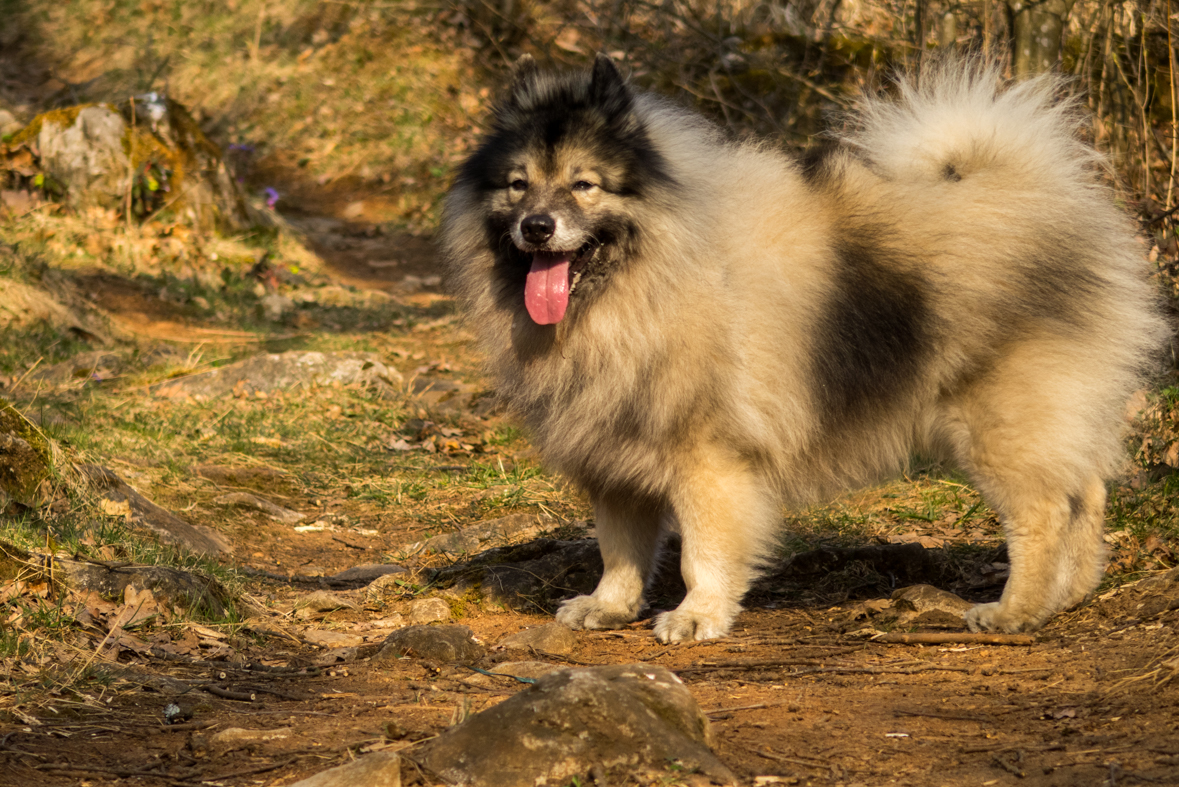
x=727, y=518
x=628, y=535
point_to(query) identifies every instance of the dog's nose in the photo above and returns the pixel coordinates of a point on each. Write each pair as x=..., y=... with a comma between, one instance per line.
x=537, y=228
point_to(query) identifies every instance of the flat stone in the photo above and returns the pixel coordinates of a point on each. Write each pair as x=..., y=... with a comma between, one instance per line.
x=278, y=371
x=435, y=643
x=367, y=573
x=332, y=639
x=922, y=598
x=555, y=638
x=629, y=720
x=428, y=610
x=324, y=601
x=380, y=769
x=915, y=606
x=394, y=621
x=233, y=738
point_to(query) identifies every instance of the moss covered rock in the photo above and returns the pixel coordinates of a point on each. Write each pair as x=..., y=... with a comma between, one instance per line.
x=25, y=456
x=144, y=156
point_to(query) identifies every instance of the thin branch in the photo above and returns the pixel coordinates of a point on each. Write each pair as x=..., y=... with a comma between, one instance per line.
x=955, y=638
x=1174, y=108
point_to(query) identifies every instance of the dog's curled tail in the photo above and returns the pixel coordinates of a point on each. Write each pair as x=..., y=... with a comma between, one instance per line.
x=958, y=121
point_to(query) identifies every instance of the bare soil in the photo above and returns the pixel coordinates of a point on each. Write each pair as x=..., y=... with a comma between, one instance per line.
x=1092, y=702
x=797, y=692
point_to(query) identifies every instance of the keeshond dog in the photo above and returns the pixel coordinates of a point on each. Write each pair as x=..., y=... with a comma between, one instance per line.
x=698, y=330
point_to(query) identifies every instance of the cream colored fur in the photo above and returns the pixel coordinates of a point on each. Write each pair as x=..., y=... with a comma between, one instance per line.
x=708, y=342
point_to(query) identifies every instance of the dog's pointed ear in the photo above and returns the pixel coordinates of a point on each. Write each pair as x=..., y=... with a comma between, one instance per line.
x=607, y=90
x=524, y=74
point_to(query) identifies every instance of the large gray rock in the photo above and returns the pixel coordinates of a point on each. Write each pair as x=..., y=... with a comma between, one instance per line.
x=630, y=720
x=120, y=498
x=87, y=155
x=93, y=150
x=272, y=372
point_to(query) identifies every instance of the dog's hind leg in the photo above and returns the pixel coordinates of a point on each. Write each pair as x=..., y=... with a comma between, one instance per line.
x=1057, y=558
x=1033, y=436
x=1083, y=553
x=726, y=518
x=1040, y=577
x=628, y=536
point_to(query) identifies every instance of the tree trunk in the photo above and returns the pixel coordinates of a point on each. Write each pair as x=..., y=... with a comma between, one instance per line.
x=1037, y=33
x=948, y=36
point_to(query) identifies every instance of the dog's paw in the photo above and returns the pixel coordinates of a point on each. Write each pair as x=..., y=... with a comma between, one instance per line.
x=996, y=617
x=587, y=612
x=681, y=625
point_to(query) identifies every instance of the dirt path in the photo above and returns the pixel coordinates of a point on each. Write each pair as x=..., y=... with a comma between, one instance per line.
x=797, y=695
x=788, y=698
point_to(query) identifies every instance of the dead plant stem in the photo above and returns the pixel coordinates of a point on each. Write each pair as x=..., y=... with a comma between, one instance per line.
x=1174, y=110
x=26, y=374
x=258, y=32
x=954, y=638
x=131, y=164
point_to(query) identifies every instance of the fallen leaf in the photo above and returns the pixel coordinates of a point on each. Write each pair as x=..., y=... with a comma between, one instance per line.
x=121, y=508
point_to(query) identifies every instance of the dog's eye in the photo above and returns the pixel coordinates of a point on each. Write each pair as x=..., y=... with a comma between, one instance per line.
x=583, y=185
x=519, y=184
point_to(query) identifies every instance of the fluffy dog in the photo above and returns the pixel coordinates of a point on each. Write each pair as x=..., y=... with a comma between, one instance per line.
x=698, y=330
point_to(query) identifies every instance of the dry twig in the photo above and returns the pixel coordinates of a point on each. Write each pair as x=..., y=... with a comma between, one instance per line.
x=954, y=638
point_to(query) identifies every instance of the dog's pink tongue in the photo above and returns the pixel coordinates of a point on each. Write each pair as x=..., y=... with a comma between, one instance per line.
x=546, y=292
